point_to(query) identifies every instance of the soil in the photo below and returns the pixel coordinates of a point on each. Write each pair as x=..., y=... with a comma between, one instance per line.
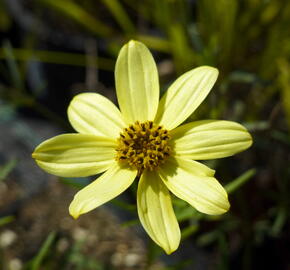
x=97, y=235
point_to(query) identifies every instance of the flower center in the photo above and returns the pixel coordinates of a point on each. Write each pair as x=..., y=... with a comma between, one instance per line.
x=143, y=146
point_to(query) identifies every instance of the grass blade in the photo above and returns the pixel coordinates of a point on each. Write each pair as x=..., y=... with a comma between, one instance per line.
x=36, y=262
x=7, y=168
x=241, y=180
x=81, y=16
x=6, y=220
x=120, y=15
x=56, y=57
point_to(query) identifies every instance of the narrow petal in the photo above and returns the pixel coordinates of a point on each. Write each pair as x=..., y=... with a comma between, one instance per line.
x=75, y=155
x=137, y=83
x=156, y=212
x=91, y=113
x=194, y=166
x=210, y=139
x=108, y=186
x=202, y=192
x=185, y=95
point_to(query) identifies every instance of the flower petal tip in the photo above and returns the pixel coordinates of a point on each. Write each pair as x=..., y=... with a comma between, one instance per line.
x=133, y=42
x=225, y=209
x=73, y=211
x=250, y=140
x=75, y=215
x=213, y=69
x=220, y=211
x=170, y=251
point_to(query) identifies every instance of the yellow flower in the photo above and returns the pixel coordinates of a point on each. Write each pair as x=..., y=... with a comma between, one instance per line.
x=142, y=140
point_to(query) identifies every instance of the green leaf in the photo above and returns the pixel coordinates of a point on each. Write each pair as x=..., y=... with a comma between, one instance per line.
x=120, y=15
x=155, y=43
x=7, y=168
x=13, y=68
x=188, y=231
x=81, y=16
x=207, y=238
x=186, y=213
x=279, y=221
x=56, y=57
x=241, y=180
x=75, y=182
x=44, y=250
x=130, y=223
x=123, y=205
x=284, y=82
x=6, y=220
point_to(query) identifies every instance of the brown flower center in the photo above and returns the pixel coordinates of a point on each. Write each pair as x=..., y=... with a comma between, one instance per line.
x=143, y=146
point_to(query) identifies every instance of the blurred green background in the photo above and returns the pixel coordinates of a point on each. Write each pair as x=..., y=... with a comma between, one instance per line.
x=51, y=50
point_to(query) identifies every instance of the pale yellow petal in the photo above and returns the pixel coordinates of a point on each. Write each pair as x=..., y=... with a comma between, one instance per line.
x=156, y=212
x=202, y=192
x=91, y=113
x=193, y=166
x=137, y=83
x=210, y=139
x=185, y=95
x=74, y=155
x=108, y=186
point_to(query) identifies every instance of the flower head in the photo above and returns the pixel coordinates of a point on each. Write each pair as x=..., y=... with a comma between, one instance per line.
x=143, y=140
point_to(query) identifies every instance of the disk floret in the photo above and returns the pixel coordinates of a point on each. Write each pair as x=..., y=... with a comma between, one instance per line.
x=143, y=146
